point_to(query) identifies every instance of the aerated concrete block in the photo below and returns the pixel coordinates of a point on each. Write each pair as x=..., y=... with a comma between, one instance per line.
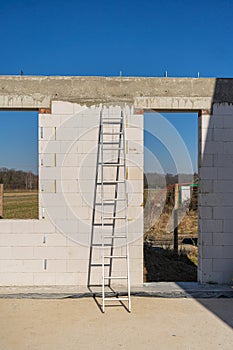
x=62, y=107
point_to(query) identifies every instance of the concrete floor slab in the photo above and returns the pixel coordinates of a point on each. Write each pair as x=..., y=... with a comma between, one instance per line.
x=155, y=323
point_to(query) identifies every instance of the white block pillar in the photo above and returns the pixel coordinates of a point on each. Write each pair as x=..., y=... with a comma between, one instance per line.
x=216, y=195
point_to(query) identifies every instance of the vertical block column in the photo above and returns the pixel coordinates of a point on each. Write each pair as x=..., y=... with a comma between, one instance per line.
x=135, y=163
x=215, y=197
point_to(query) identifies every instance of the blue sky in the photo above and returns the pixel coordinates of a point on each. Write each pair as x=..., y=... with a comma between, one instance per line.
x=18, y=140
x=171, y=142
x=139, y=38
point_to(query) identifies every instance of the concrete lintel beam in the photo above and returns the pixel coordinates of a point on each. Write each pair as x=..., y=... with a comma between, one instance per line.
x=32, y=92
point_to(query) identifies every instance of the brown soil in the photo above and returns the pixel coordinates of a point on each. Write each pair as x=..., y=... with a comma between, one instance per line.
x=158, y=234
x=167, y=266
x=161, y=263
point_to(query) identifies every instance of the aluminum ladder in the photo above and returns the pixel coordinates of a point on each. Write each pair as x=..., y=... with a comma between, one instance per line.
x=110, y=202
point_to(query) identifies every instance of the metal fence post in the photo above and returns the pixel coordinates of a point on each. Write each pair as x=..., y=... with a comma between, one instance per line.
x=176, y=206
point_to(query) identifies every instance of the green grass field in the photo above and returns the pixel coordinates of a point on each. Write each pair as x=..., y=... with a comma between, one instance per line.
x=20, y=205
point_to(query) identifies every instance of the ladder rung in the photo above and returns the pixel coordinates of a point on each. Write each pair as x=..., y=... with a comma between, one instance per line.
x=112, y=236
x=111, y=164
x=115, y=256
x=110, y=202
x=100, y=245
x=115, y=200
x=113, y=133
x=110, y=143
x=110, y=182
x=100, y=265
x=104, y=203
x=111, y=123
x=113, y=149
x=116, y=299
x=118, y=278
x=105, y=224
x=111, y=117
x=114, y=217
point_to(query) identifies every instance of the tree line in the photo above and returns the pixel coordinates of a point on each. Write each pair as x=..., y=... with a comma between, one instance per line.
x=18, y=179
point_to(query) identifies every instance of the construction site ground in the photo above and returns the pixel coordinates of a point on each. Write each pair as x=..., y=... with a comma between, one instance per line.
x=154, y=323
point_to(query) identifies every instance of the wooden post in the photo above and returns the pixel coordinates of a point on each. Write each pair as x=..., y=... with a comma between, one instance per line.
x=1, y=200
x=176, y=207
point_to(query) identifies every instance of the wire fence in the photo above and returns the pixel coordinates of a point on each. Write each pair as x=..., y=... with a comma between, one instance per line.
x=159, y=218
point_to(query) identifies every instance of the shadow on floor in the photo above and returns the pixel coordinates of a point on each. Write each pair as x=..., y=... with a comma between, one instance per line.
x=164, y=265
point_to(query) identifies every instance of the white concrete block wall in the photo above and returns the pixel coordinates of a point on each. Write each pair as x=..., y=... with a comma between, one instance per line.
x=215, y=199
x=54, y=249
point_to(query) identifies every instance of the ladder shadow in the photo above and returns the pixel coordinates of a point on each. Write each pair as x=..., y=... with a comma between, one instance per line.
x=95, y=299
x=96, y=295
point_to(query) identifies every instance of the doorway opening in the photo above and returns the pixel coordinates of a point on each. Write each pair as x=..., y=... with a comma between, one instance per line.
x=170, y=197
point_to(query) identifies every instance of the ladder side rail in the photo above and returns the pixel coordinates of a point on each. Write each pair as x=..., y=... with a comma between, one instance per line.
x=94, y=209
x=126, y=214
x=102, y=212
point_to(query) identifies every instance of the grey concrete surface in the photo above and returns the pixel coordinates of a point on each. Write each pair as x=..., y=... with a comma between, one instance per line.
x=34, y=92
x=184, y=324
x=157, y=289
